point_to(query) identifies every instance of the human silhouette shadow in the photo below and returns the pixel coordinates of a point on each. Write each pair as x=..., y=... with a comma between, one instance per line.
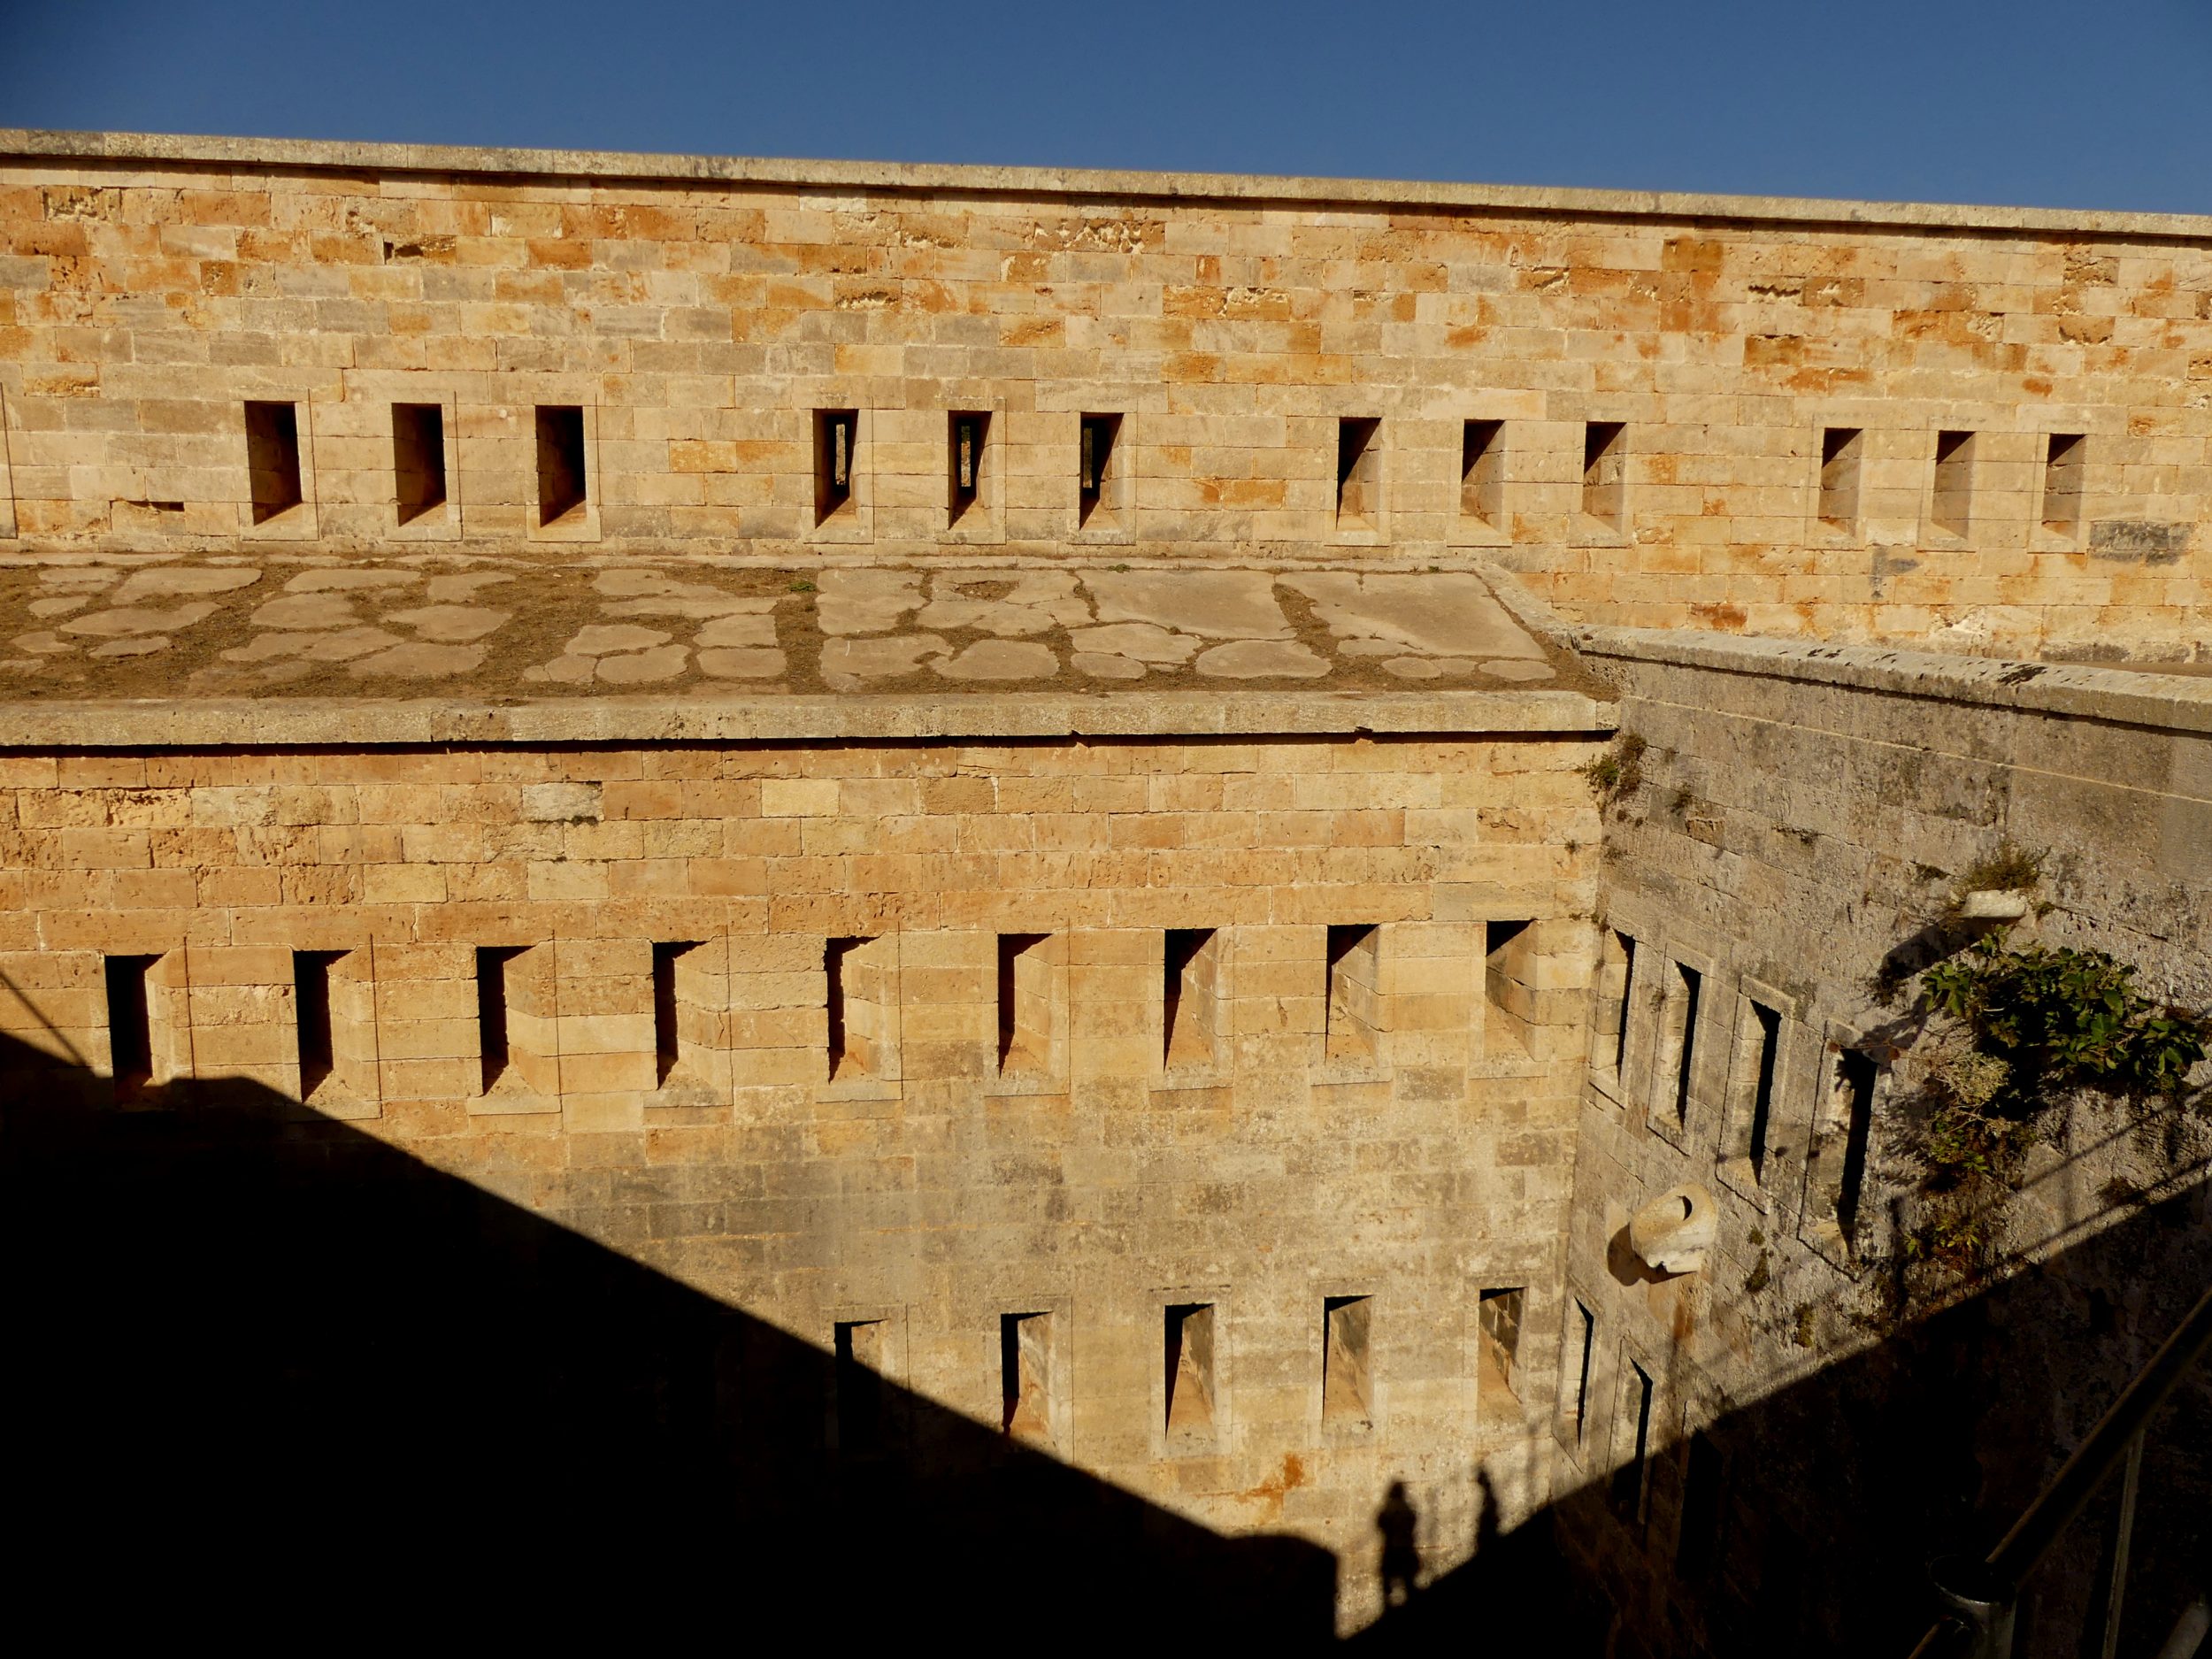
x=268, y=1375
x=1398, y=1524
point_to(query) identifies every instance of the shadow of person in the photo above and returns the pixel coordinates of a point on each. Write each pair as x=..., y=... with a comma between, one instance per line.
x=1487, y=1524
x=1398, y=1521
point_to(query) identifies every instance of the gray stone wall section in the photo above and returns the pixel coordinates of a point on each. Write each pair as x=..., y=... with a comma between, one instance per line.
x=1803, y=817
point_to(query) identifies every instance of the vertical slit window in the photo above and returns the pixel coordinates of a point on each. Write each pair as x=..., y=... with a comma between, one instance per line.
x=1482, y=473
x=2065, y=457
x=859, y=1385
x=1841, y=448
x=1348, y=1390
x=1192, y=984
x=130, y=1023
x=491, y=1011
x=1952, y=506
x=1699, y=1544
x=1586, y=1330
x=1629, y=1478
x=836, y=958
x=1358, y=472
x=1189, y=1352
x=667, y=1010
x=1498, y=1325
x=417, y=458
x=1768, y=1025
x=1349, y=1013
x=1856, y=1075
x=311, y=1014
x=1095, y=472
x=836, y=438
x=563, y=483
x=968, y=433
x=1604, y=447
x=1689, y=986
x=1025, y=1002
x=1627, y=947
x=1508, y=970
x=272, y=458
x=1025, y=1349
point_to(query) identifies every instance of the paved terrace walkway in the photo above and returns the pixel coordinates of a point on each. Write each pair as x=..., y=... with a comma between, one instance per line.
x=259, y=623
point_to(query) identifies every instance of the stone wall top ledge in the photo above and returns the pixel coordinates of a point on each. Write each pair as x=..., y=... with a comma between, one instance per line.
x=323, y=723
x=2115, y=694
x=158, y=149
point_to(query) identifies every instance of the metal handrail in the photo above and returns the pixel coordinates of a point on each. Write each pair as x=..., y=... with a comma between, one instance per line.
x=1982, y=1596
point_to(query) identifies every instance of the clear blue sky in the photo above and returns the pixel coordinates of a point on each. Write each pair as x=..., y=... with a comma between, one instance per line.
x=2088, y=103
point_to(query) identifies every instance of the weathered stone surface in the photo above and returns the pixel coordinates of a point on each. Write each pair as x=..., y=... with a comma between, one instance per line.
x=1261, y=659
x=1219, y=604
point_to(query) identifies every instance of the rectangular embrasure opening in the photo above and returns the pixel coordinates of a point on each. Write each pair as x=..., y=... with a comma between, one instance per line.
x=967, y=440
x=130, y=1024
x=1349, y=1017
x=417, y=458
x=1508, y=974
x=1629, y=1476
x=1584, y=1330
x=1192, y=983
x=1347, y=1389
x=2065, y=457
x=858, y=985
x=1617, y=979
x=1952, y=506
x=1096, y=471
x=858, y=1382
x=311, y=1014
x=1855, y=1076
x=1358, y=472
x=1498, y=1331
x=1699, y=1544
x=1025, y=1002
x=1841, y=448
x=1188, y=1352
x=836, y=450
x=667, y=1011
x=1682, y=1003
x=1482, y=472
x=1604, y=448
x=492, y=963
x=1767, y=1034
x=1024, y=1348
x=563, y=483
x=272, y=458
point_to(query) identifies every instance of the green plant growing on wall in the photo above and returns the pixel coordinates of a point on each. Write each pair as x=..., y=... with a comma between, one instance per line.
x=2063, y=1018
x=2011, y=868
x=1618, y=771
x=2040, y=1022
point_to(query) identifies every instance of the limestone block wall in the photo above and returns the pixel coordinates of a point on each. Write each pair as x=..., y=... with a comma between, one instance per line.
x=871, y=1039
x=1980, y=429
x=1816, y=1425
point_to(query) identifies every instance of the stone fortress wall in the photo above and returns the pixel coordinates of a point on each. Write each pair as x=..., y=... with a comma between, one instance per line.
x=1804, y=822
x=887, y=1042
x=1242, y=1040
x=1981, y=428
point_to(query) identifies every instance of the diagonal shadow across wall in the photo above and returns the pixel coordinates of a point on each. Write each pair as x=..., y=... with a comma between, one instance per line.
x=270, y=1375
x=1823, y=1502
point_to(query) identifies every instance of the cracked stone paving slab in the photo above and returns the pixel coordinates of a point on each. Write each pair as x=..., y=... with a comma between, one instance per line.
x=279, y=622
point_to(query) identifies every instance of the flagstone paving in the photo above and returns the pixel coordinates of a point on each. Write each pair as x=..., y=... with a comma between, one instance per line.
x=127, y=625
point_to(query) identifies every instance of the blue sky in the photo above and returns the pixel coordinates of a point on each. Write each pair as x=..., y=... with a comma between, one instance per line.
x=2081, y=105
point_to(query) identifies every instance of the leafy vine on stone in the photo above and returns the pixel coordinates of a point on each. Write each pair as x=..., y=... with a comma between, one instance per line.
x=2040, y=1022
